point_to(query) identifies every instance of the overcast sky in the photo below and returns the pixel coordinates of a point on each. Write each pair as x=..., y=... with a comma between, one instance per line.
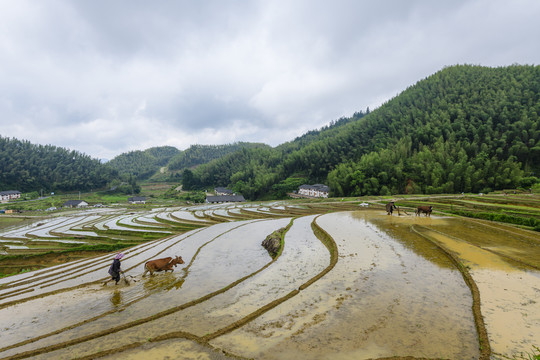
x=105, y=77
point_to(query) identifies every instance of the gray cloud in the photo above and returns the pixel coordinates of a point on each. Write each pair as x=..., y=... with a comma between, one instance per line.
x=107, y=77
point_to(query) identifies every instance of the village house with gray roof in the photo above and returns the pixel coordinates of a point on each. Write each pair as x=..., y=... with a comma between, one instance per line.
x=317, y=190
x=9, y=195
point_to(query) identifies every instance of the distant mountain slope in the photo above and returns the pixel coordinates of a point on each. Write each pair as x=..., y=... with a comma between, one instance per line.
x=143, y=163
x=465, y=128
x=200, y=154
x=28, y=167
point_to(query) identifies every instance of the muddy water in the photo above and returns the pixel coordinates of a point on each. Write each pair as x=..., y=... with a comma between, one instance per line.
x=216, y=265
x=381, y=299
x=171, y=349
x=393, y=292
x=304, y=257
x=509, y=289
x=42, y=315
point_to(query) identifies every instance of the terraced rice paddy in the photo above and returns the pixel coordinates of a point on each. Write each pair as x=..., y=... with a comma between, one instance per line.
x=349, y=283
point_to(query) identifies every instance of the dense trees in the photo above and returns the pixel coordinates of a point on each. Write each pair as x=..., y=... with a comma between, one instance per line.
x=200, y=154
x=27, y=167
x=143, y=164
x=465, y=128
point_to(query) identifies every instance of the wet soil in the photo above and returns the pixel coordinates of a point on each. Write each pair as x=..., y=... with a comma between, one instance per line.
x=381, y=299
x=397, y=288
x=12, y=265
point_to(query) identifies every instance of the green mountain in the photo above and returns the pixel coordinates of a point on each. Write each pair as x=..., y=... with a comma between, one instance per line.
x=200, y=154
x=143, y=163
x=464, y=129
x=27, y=167
x=148, y=164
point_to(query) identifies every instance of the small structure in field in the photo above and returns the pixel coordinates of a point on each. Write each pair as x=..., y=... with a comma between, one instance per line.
x=225, y=198
x=75, y=204
x=137, y=200
x=222, y=191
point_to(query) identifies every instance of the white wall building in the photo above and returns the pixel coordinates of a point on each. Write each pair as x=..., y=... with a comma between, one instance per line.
x=317, y=190
x=9, y=195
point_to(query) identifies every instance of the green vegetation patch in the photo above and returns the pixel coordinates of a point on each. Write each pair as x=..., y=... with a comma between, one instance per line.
x=274, y=242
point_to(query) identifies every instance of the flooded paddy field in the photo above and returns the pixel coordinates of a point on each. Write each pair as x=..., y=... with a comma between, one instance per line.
x=349, y=283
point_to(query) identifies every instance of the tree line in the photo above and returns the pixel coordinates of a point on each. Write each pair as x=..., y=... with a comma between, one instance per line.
x=142, y=164
x=28, y=167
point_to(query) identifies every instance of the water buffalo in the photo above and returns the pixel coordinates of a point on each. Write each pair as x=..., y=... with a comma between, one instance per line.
x=424, y=209
x=390, y=208
x=164, y=264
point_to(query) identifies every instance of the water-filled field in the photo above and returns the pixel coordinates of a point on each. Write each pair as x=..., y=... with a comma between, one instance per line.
x=349, y=283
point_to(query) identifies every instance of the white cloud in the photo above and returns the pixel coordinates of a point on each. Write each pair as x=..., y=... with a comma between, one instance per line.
x=107, y=77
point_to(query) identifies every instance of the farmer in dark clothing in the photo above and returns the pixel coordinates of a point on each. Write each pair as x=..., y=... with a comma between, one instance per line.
x=115, y=270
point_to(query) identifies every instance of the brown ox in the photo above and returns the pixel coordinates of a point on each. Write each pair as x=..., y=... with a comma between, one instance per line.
x=424, y=209
x=164, y=264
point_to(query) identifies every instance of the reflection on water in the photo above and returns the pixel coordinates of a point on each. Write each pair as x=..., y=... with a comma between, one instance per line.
x=399, y=229
x=116, y=298
x=504, y=263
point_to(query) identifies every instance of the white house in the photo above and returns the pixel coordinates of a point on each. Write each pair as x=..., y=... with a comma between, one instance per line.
x=317, y=190
x=137, y=200
x=225, y=198
x=9, y=195
x=75, y=204
x=222, y=191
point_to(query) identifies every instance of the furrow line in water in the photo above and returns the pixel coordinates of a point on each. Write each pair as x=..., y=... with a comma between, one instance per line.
x=130, y=324
x=503, y=226
x=62, y=273
x=97, y=316
x=145, y=247
x=105, y=313
x=331, y=245
x=320, y=233
x=490, y=250
x=70, y=268
x=483, y=339
x=175, y=335
x=39, y=274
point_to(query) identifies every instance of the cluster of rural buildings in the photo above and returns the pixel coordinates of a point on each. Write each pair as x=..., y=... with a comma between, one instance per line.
x=223, y=195
x=82, y=203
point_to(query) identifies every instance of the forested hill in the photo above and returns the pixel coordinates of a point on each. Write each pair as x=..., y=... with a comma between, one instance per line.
x=143, y=163
x=464, y=129
x=28, y=167
x=200, y=154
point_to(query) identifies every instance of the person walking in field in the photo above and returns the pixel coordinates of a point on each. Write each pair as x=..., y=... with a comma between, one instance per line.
x=115, y=270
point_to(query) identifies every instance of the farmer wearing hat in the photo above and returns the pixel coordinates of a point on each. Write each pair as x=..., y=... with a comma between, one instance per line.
x=115, y=270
